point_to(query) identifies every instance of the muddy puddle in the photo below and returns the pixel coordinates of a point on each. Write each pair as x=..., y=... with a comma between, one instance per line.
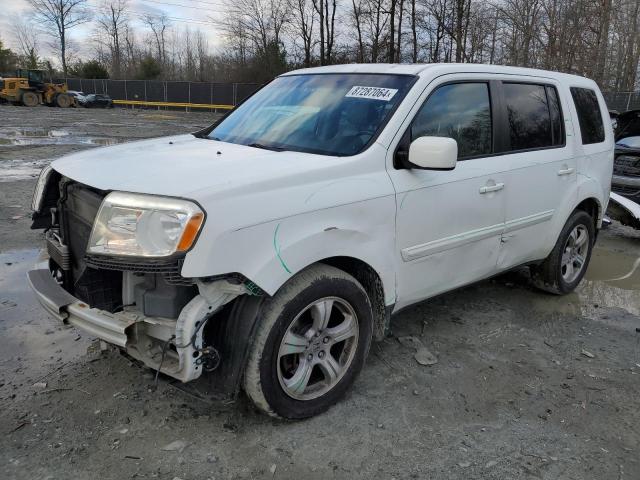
x=25, y=329
x=12, y=170
x=612, y=281
x=12, y=136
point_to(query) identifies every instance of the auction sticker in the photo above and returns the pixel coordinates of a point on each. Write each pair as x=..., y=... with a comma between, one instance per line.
x=374, y=93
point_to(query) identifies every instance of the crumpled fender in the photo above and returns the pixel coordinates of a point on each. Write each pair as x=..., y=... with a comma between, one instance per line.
x=270, y=253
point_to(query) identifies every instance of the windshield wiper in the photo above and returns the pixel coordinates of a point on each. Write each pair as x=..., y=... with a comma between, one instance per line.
x=266, y=147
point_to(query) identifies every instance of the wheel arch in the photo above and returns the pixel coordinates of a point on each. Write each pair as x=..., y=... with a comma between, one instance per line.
x=235, y=329
x=593, y=207
x=588, y=199
x=369, y=278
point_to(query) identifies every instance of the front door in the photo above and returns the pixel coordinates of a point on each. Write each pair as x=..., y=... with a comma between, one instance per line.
x=449, y=223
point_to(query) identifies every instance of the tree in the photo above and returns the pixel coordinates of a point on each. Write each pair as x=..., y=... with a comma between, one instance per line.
x=302, y=22
x=8, y=59
x=258, y=25
x=158, y=25
x=90, y=69
x=150, y=68
x=112, y=20
x=58, y=17
x=327, y=17
x=27, y=39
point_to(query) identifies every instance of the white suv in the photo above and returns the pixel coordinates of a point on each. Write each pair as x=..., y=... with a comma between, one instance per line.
x=269, y=249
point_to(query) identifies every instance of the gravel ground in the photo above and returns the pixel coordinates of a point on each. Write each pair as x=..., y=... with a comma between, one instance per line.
x=527, y=385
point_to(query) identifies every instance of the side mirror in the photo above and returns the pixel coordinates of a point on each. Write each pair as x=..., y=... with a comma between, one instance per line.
x=433, y=153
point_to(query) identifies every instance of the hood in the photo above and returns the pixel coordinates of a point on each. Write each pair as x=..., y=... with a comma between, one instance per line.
x=184, y=165
x=628, y=124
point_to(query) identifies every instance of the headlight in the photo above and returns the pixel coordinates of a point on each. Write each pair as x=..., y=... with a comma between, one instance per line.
x=144, y=225
x=38, y=193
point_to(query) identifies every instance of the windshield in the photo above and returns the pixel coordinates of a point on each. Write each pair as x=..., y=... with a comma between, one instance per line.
x=329, y=114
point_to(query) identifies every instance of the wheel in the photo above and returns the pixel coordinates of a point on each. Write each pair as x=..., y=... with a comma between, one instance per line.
x=30, y=99
x=562, y=270
x=312, y=342
x=63, y=100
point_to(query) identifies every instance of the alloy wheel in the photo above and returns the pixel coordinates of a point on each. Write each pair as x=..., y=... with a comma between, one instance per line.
x=575, y=253
x=317, y=348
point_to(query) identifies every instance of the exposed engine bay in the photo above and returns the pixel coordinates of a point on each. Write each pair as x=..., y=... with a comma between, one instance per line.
x=176, y=325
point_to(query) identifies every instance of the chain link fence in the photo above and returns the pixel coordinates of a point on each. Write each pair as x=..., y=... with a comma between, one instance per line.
x=208, y=93
x=212, y=93
x=622, y=101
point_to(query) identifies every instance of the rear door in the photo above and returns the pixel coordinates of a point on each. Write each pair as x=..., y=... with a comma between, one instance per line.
x=542, y=166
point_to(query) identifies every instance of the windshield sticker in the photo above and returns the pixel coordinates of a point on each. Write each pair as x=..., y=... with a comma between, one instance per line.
x=373, y=93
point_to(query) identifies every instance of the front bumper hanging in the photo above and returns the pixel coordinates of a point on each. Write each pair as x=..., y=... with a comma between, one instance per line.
x=65, y=307
x=142, y=337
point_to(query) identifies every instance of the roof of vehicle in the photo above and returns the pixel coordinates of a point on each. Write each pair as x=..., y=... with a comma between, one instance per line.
x=424, y=69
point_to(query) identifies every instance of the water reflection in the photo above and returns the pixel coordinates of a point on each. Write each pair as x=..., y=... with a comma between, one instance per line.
x=14, y=136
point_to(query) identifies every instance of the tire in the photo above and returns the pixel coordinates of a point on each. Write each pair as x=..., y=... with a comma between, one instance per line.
x=270, y=376
x=30, y=99
x=63, y=100
x=552, y=275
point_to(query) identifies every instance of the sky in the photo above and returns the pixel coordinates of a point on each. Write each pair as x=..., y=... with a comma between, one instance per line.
x=183, y=13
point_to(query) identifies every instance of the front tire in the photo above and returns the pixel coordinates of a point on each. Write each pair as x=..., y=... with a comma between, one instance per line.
x=312, y=342
x=561, y=272
x=63, y=100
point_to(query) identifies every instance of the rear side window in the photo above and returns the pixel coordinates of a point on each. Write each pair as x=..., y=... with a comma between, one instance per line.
x=589, y=115
x=528, y=115
x=461, y=111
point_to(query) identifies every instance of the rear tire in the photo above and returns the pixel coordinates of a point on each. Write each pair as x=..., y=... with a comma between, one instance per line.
x=561, y=272
x=30, y=99
x=312, y=342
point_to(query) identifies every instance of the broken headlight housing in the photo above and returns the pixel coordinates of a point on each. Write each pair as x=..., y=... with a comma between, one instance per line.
x=140, y=225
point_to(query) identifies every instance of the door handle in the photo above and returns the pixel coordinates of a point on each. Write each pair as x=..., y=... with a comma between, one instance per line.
x=491, y=188
x=565, y=171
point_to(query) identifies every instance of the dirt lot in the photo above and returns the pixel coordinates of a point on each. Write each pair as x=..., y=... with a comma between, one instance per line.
x=527, y=385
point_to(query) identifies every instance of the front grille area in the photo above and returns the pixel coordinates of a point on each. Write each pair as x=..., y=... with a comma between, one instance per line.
x=77, y=208
x=96, y=279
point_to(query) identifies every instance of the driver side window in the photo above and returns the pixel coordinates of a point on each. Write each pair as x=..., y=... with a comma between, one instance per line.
x=461, y=111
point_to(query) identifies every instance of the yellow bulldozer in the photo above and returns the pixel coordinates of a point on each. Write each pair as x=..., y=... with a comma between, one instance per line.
x=29, y=88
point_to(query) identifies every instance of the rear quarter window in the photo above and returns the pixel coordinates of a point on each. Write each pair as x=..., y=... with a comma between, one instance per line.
x=589, y=115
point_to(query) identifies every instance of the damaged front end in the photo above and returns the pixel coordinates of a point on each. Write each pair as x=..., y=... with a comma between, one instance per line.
x=177, y=325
